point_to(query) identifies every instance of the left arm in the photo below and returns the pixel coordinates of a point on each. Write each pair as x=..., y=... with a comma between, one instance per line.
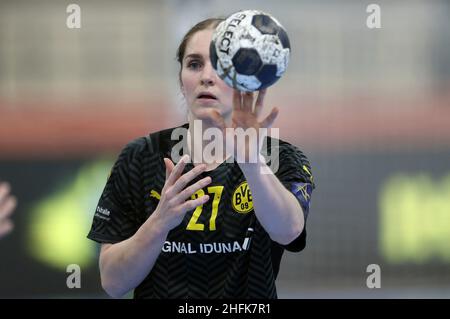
x=276, y=208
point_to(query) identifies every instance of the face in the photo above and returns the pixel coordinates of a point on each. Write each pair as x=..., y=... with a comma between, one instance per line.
x=201, y=86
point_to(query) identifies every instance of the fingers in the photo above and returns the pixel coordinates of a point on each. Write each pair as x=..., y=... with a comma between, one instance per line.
x=189, y=191
x=175, y=183
x=4, y=191
x=247, y=102
x=7, y=207
x=191, y=204
x=7, y=201
x=177, y=170
x=181, y=183
x=260, y=102
x=268, y=121
x=237, y=100
x=169, y=167
x=244, y=101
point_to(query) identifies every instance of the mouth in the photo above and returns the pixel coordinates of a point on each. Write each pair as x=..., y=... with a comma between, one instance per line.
x=206, y=96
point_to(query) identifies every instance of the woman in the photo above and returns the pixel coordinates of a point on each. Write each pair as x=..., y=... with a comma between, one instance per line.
x=194, y=230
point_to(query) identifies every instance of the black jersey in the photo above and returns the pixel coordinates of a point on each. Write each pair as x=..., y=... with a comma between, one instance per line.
x=219, y=250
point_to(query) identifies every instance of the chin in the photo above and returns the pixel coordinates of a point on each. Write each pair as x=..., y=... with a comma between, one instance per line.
x=195, y=111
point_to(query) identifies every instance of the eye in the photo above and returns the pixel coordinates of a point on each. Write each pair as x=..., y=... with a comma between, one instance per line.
x=194, y=65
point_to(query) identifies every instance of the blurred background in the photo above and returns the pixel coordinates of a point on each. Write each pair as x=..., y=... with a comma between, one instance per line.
x=369, y=107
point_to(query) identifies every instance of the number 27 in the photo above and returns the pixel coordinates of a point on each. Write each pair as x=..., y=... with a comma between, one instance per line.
x=193, y=225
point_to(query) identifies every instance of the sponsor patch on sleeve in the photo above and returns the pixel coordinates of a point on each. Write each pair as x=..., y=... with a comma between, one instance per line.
x=303, y=193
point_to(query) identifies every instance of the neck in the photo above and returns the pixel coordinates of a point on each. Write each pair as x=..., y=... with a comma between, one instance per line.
x=209, y=148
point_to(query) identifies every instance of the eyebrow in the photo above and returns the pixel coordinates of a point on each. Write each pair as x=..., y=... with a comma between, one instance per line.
x=193, y=56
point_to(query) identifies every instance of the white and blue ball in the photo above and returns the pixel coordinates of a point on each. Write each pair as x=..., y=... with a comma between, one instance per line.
x=250, y=50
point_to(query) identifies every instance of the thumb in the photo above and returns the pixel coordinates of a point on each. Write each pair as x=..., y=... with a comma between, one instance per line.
x=169, y=167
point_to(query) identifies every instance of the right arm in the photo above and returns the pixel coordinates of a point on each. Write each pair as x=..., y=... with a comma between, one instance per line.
x=124, y=265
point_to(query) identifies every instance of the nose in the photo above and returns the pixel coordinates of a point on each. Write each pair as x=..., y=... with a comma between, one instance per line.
x=209, y=75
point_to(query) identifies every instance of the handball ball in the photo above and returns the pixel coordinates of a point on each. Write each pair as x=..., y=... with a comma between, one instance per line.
x=250, y=50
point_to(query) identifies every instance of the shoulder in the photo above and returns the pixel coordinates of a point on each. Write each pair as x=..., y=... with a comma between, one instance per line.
x=163, y=141
x=159, y=142
x=282, y=149
x=287, y=160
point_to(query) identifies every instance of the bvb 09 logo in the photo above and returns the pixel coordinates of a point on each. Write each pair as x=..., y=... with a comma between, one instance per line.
x=242, y=199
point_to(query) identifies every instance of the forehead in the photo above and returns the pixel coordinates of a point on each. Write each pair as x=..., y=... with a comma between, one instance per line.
x=199, y=42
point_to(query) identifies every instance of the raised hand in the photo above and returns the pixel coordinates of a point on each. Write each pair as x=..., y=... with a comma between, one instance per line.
x=173, y=203
x=246, y=117
x=244, y=121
